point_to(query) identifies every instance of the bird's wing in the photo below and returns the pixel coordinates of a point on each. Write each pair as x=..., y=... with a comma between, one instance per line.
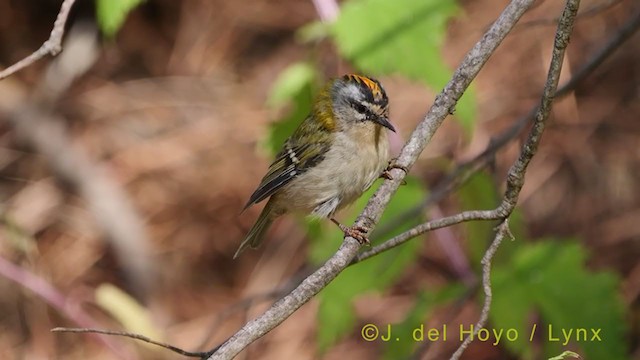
x=299, y=153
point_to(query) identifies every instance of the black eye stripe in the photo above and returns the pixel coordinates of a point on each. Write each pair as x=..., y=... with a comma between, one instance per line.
x=360, y=108
x=363, y=110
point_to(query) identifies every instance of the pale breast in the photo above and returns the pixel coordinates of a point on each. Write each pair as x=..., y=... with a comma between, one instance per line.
x=347, y=170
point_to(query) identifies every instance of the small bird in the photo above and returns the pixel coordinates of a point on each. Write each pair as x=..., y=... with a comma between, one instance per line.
x=334, y=155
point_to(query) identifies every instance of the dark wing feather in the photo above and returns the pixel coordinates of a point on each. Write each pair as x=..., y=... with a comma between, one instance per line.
x=299, y=153
x=280, y=173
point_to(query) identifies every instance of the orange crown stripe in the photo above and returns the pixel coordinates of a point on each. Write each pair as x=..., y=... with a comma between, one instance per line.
x=375, y=89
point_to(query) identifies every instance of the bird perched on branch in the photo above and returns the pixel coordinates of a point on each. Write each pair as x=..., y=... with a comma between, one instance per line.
x=333, y=156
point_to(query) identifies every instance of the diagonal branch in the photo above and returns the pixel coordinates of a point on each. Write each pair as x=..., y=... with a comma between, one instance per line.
x=444, y=104
x=53, y=45
x=625, y=33
x=465, y=170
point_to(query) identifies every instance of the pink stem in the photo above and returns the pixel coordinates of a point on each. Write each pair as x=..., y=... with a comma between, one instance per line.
x=328, y=10
x=58, y=301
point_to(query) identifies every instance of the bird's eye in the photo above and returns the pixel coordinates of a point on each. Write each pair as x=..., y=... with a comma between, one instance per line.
x=360, y=108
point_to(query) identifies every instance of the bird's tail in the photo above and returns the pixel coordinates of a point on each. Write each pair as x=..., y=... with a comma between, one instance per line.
x=256, y=234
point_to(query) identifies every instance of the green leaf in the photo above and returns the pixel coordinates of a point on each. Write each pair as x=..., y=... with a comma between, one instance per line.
x=408, y=332
x=566, y=355
x=112, y=13
x=400, y=37
x=16, y=236
x=291, y=82
x=550, y=277
x=376, y=274
x=295, y=86
x=314, y=31
x=479, y=192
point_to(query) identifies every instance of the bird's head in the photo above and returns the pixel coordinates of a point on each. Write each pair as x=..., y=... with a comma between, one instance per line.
x=356, y=99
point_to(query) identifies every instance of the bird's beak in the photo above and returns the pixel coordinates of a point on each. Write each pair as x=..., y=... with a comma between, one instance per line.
x=385, y=122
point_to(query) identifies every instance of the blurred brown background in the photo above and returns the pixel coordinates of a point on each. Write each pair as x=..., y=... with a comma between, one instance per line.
x=170, y=116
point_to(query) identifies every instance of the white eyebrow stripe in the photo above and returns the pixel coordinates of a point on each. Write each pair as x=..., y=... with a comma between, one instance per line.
x=374, y=108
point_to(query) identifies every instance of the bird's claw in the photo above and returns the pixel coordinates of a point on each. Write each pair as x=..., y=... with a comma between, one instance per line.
x=393, y=164
x=357, y=232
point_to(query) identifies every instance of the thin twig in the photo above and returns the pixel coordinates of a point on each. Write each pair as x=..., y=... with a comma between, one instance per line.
x=502, y=232
x=623, y=34
x=465, y=216
x=588, y=12
x=464, y=171
x=515, y=178
x=132, y=336
x=53, y=45
x=444, y=104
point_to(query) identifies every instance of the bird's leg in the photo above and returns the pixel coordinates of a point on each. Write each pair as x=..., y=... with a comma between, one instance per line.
x=357, y=232
x=393, y=164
